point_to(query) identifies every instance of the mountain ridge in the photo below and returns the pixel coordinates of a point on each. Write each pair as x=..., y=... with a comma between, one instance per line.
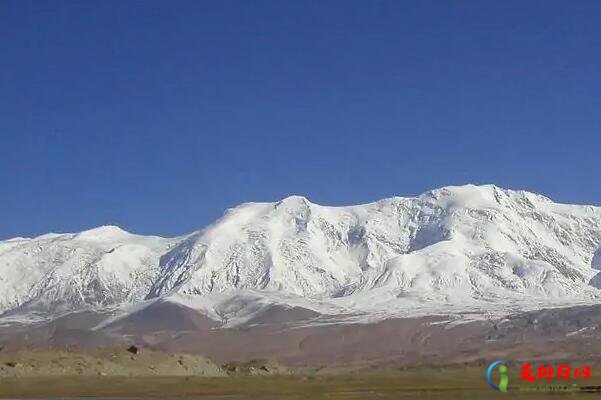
x=457, y=247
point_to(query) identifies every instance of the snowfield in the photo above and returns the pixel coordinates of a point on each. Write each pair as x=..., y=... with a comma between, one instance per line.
x=467, y=249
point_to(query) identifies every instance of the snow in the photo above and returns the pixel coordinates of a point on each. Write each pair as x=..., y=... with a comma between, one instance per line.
x=460, y=249
x=96, y=267
x=103, y=233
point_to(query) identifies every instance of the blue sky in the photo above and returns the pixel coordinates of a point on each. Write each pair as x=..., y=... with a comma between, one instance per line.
x=157, y=116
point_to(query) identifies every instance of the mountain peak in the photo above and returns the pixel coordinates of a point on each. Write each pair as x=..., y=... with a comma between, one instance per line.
x=294, y=201
x=482, y=196
x=467, y=189
x=105, y=232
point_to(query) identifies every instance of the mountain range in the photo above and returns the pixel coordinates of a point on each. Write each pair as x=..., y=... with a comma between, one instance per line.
x=464, y=249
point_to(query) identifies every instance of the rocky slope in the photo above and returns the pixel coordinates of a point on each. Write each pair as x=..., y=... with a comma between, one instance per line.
x=105, y=362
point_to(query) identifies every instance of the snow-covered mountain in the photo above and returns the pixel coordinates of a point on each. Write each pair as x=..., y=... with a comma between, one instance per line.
x=100, y=266
x=453, y=247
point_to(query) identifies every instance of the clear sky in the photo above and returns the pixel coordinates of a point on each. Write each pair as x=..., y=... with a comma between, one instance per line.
x=157, y=116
